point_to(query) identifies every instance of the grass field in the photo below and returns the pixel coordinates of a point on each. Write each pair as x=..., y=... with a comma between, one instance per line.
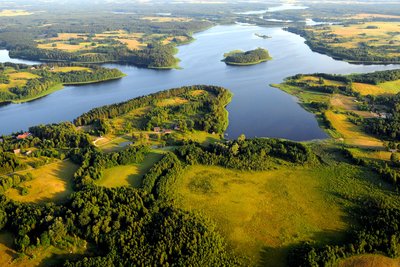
x=385, y=88
x=129, y=175
x=262, y=214
x=372, y=15
x=167, y=19
x=14, y=13
x=369, y=260
x=381, y=155
x=43, y=257
x=84, y=42
x=52, y=182
x=351, y=133
x=380, y=36
x=72, y=68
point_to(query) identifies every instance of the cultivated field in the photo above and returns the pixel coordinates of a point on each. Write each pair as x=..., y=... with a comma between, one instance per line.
x=386, y=88
x=375, y=39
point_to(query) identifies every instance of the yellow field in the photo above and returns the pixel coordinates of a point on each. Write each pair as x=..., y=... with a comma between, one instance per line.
x=171, y=102
x=382, y=41
x=385, y=88
x=197, y=92
x=351, y=133
x=132, y=43
x=261, y=214
x=167, y=19
x=14, y=13
x=360, y=153
x=357, y=29
x=371, y=16
x=73, y=68
x=369, y=260
x=17, y=79
x=22, y=76
x=61, y=42
x=171, y=38
x=51, y=182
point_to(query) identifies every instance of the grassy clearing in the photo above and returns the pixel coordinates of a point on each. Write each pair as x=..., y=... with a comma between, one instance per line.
x=167, y=19
x=385, y=88
x=72, y=68
x=198, y=136
x=14, y=13
x=262, y=213
x=50, y=183
x=129, y=175
x=369, y=260
x=351, y=133
x=76, y=42
x=171, y=102
x=381, y=37
x=49, y=256
x=373, y=16
x=381, y=155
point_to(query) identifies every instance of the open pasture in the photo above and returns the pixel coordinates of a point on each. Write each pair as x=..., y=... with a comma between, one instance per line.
x=51, y=182
x=261, y=214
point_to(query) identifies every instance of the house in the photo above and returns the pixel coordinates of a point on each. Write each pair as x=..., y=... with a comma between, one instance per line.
x=27, y=153
x=23, y=136
x=157, y=129
x=17, y=151
x=167, y=131
x=176, y=128
x=33, y=68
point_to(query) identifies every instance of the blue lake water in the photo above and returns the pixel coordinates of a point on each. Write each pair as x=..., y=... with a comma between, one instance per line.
x=256, y=108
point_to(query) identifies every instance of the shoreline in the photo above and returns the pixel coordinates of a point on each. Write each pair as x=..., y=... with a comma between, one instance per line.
x=56, y=88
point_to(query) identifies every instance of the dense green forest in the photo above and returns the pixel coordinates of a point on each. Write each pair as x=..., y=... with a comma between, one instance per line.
x=20, y=39
x=247, y=58
x=214, y=119
x=23, y=82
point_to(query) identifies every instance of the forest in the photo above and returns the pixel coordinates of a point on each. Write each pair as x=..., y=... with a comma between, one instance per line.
x=247, y=58
x=21, y=39
x=25, y=82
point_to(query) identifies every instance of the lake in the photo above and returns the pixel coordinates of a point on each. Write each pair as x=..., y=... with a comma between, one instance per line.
x=256, y=108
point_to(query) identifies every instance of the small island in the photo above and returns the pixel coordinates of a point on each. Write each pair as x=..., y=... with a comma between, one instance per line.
x=21, y=83
x=252, y=57
x=264, y=36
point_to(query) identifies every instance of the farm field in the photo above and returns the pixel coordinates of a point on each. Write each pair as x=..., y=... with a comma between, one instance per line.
x=386, y=88
x=77, y=42
x=14, y=13
x=374, y=42
x=52, y=182
x=351, y=133
x=262, y=213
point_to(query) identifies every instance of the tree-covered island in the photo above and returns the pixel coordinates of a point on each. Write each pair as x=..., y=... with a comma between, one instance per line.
x=251, y=57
